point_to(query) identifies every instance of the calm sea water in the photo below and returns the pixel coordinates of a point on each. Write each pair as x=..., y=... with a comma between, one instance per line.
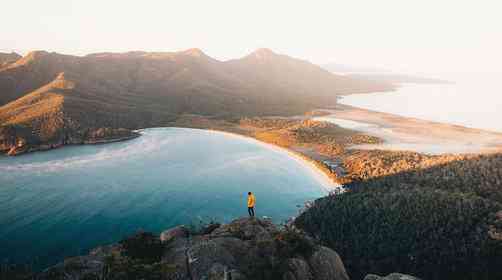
x=66, y=201
x=473, y=100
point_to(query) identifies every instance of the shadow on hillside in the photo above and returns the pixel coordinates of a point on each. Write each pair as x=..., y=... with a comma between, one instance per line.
x=442, y=222
x=480, y=174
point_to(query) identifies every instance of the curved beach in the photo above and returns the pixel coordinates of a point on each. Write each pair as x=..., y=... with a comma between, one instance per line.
x=326, y=182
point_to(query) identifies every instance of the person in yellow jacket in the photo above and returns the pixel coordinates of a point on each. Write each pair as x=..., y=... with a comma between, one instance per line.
x=251, y=202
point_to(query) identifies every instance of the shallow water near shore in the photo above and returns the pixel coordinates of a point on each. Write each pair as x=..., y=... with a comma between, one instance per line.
x=63, y=202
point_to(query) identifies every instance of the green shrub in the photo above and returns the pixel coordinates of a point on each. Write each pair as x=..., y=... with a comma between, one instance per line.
x=291, y=242
x=15, y=271
x=143, y=246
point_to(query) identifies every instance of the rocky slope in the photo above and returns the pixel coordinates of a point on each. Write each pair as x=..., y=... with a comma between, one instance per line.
x=8, y=58
x=53, y=99
x=46, y=118
x=243, y=249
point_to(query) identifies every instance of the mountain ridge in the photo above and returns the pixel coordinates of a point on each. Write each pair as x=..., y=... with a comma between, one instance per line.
x=137, y=89
x=8, y=58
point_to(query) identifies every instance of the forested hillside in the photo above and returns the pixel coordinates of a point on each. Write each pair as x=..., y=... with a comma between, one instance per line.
x=442, y=222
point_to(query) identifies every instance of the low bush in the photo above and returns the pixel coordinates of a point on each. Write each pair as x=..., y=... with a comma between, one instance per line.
x=143, y=246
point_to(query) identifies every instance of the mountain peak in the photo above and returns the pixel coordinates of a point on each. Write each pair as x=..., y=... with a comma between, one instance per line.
x=35, y=54
x=195, y=52
x=263, y=53
x=30, y=57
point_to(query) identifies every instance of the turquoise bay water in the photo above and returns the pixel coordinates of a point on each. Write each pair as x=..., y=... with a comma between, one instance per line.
x=66, y=201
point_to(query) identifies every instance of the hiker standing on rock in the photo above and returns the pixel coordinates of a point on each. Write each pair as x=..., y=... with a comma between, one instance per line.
x=251, y=201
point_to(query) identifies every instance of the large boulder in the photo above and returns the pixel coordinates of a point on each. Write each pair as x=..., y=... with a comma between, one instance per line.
x=221, y=252
x=246, y=229
x=91, y=265
x=203, y=254
x=235, y=246
x=392, y=276
x=326, y=264
x=175, y=254
x=297, y=269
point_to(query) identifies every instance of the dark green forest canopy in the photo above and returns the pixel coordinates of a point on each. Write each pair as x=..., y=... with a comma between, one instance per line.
x=443, y=222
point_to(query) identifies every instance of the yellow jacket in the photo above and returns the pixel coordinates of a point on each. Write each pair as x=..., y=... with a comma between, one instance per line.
x=251, y=200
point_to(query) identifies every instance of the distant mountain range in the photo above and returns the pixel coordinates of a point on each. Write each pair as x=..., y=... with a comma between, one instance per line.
x=55, y=99
x=379, y=75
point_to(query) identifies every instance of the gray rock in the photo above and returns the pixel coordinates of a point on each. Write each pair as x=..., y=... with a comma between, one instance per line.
x=392, y=276
x=74, y=268
x=326, y=264
x=243, y=249
x=104, y=251
x=175, y=255
x=203, y=254
x=235, y=246
x=297, y=269
x=246, y=228
x=173, y=233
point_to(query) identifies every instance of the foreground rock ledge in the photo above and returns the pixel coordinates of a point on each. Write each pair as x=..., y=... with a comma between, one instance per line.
x=243, y=249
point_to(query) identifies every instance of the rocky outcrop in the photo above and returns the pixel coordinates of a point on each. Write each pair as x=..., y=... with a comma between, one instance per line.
x=246, y=248
x=326, y=264
x=392, y=276
x=297, y=269
x=17, y=139
x=14, y=139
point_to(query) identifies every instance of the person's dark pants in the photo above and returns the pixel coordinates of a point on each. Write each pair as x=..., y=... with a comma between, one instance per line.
x=251, y=211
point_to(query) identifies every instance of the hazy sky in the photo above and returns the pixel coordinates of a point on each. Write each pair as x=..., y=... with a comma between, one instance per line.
x=412, y=36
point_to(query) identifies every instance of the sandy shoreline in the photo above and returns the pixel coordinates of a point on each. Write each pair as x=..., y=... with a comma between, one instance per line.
x=327, y=183
x=403, y=133
x=398, y=133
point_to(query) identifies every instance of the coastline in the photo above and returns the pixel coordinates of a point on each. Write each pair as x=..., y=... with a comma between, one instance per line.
x=410, y=134
x=16, y=151
x=321, y=174
x=134, y=134
x=338, y=155
x=327, y=183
